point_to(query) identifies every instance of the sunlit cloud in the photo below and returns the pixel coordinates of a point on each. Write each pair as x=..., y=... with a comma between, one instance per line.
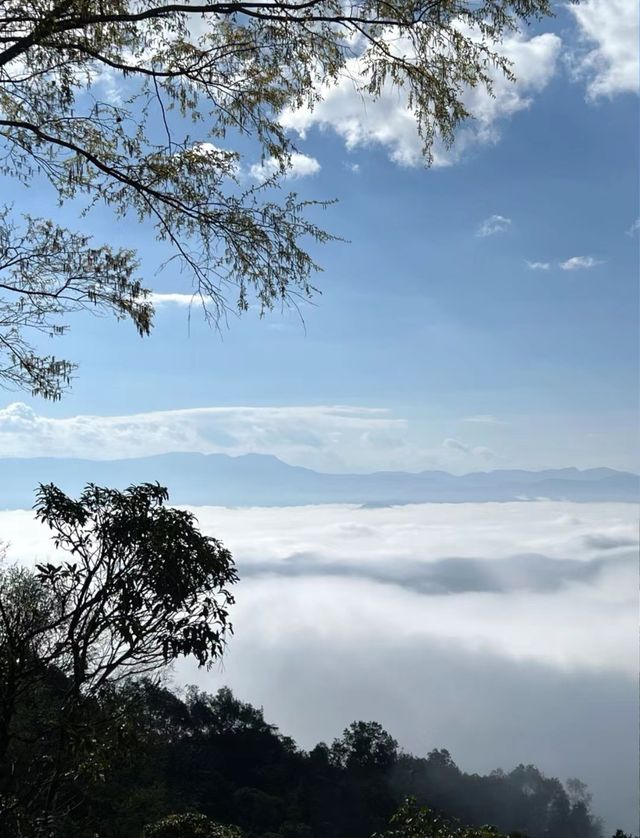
x=300, y=165
x=389, y=123
x=608, y=57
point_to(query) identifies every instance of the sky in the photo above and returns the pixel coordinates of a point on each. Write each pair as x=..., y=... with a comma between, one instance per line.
x=479, y=314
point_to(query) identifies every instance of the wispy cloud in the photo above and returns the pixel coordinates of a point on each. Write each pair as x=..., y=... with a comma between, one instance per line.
x=493, y=225
x=459, y=447
x=538, y=266
x=484, y=419
x=635, y=228
x=577, y=263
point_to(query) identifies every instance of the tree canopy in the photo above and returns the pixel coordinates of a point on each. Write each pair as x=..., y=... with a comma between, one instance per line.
x=139, y=587
x=188, y=83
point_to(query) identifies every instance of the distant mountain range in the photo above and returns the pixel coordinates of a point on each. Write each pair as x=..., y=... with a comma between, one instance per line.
x=260, y=480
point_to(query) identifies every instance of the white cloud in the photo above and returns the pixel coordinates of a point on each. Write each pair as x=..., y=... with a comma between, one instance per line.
x=301, y=165
x=323, y=437
x=609, y=57
x=176, y=299
x=586, y=618
x=389, y=123
x=492, y=225
x=576, y=263
x=538, y=266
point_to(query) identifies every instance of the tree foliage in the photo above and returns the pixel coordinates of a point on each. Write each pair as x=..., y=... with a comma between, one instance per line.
x=365, y=745
x=188, y=82
x=190, y=825
x=140, y=587
x=412, y=821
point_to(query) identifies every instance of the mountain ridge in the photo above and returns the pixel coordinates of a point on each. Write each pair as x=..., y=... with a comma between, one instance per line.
x=265, y=480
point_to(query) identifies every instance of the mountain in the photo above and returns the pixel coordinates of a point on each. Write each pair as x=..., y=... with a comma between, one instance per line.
x=261, y=480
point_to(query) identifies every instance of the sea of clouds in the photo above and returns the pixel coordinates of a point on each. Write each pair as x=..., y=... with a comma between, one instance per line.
x=505, y=632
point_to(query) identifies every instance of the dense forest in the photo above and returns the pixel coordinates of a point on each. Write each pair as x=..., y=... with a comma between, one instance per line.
x=217, y=756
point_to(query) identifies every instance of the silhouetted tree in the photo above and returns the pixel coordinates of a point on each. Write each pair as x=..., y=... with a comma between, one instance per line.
x=140, y=586
x=365, y=745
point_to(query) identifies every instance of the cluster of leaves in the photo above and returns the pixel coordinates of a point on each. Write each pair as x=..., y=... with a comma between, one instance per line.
x=134, y=104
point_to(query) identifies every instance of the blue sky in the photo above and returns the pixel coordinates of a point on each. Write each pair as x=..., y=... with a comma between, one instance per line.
x=479, y=359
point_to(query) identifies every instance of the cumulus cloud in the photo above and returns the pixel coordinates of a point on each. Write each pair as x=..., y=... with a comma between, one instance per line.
x=301, y=166
x=389, y=123
x=492, y=225
x=576, y=263
x=608, y=58
x=538, y=266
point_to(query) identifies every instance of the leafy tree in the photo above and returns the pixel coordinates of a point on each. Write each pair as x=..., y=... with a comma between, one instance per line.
x=191, y=825
x=141, y=587
x=365, y=745
x=412, y=821
x=193, y=80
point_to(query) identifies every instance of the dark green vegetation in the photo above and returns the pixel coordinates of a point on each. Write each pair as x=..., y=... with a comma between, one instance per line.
x=218, y=757
x=93, y=745
x=194, y=82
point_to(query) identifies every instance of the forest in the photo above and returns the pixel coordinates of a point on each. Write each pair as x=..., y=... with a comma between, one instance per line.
x=217, y=756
